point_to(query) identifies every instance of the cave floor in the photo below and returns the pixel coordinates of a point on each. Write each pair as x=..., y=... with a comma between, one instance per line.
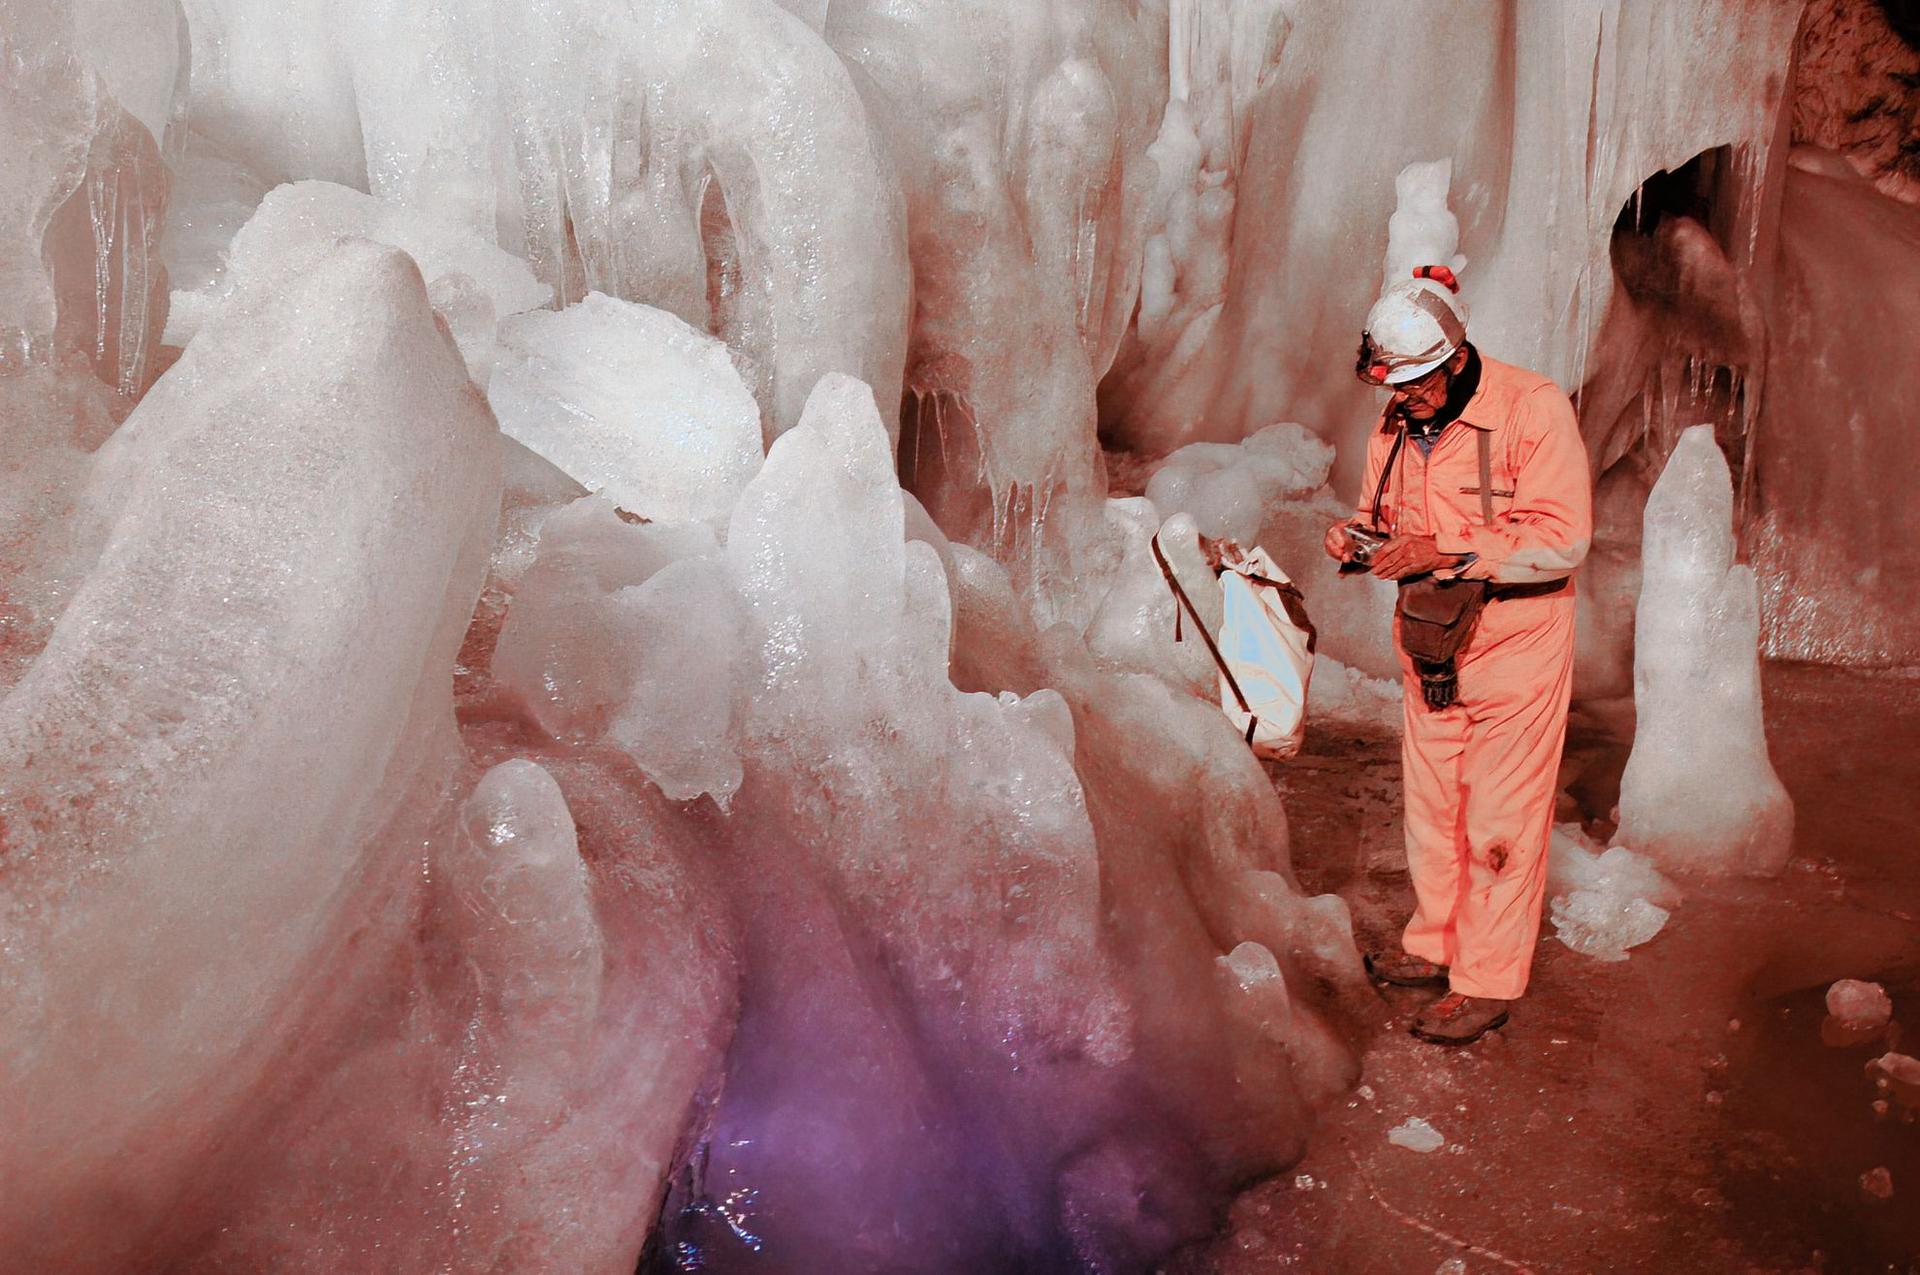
x=1675, y=1111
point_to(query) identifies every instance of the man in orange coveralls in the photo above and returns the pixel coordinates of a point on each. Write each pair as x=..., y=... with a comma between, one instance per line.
x=1481, y=773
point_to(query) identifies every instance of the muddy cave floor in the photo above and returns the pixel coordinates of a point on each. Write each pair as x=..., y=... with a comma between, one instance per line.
x=1675, y=1111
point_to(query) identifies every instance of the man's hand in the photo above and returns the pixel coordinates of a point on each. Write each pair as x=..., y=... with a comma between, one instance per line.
x=1405, y=556
x=1338, y=544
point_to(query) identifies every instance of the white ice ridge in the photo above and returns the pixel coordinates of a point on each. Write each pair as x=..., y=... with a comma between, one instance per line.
x=1699, y=793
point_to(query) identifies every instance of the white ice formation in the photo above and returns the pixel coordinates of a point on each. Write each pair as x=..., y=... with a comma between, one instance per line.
x=429, y=848
x=1699, y=793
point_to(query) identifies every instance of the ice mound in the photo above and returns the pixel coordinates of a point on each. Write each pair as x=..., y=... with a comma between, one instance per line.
x=889, y=675
x=1699, y=794
x=1228, y=487
x=302, y=504
x=631, y=403
x=1605, y=902
x=1857, y=1005
x=471, y=282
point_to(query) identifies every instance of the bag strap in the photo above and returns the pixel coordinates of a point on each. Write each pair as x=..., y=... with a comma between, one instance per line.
x=1219, y=660
x=1485, y=440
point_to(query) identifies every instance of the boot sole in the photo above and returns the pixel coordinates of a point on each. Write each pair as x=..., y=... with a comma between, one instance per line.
x=1378, y=976
x=1497, y=1022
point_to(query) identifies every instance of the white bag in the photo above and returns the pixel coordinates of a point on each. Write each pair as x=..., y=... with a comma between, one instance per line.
x=1269, y=653
x=1265, y=651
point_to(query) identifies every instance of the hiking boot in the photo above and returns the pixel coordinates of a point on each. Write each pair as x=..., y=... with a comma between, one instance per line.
x=1459, y=1020
x=1404, y=970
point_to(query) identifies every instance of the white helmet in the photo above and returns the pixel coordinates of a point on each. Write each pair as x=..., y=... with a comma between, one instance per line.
x=1413, y=328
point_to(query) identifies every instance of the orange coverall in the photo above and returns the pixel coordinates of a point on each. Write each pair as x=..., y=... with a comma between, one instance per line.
x=1481, y=775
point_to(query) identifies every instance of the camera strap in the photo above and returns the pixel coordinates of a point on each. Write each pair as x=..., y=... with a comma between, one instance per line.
x=1483, y=440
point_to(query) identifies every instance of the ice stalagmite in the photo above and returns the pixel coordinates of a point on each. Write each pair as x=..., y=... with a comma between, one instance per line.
x=1699, y=794
x=300, y=507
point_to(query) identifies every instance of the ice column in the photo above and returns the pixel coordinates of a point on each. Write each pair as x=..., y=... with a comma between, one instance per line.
x=1699, y=793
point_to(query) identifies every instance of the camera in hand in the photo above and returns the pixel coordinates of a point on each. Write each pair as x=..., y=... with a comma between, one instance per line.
x=1365, y=541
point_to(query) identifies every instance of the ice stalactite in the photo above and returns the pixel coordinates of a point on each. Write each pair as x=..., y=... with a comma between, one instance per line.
x=1219, y=57
x=711, y=158
x=1699, y=793
x=1557, y=107
x=87, y=188
x=1017, y=132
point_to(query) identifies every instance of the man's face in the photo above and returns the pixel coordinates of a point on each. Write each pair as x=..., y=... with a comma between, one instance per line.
x=1422, y=398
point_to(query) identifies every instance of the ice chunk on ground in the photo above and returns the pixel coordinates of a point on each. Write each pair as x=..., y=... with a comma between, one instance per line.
x=1605, y=902
x=1855, y=1004
x=1898, y=1074
x=1416, y=1134
x=1699, y=793
x=1877, y=1183
x=632, y=403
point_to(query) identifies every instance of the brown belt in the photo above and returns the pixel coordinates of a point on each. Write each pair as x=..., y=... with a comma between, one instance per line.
x=1544, y=589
